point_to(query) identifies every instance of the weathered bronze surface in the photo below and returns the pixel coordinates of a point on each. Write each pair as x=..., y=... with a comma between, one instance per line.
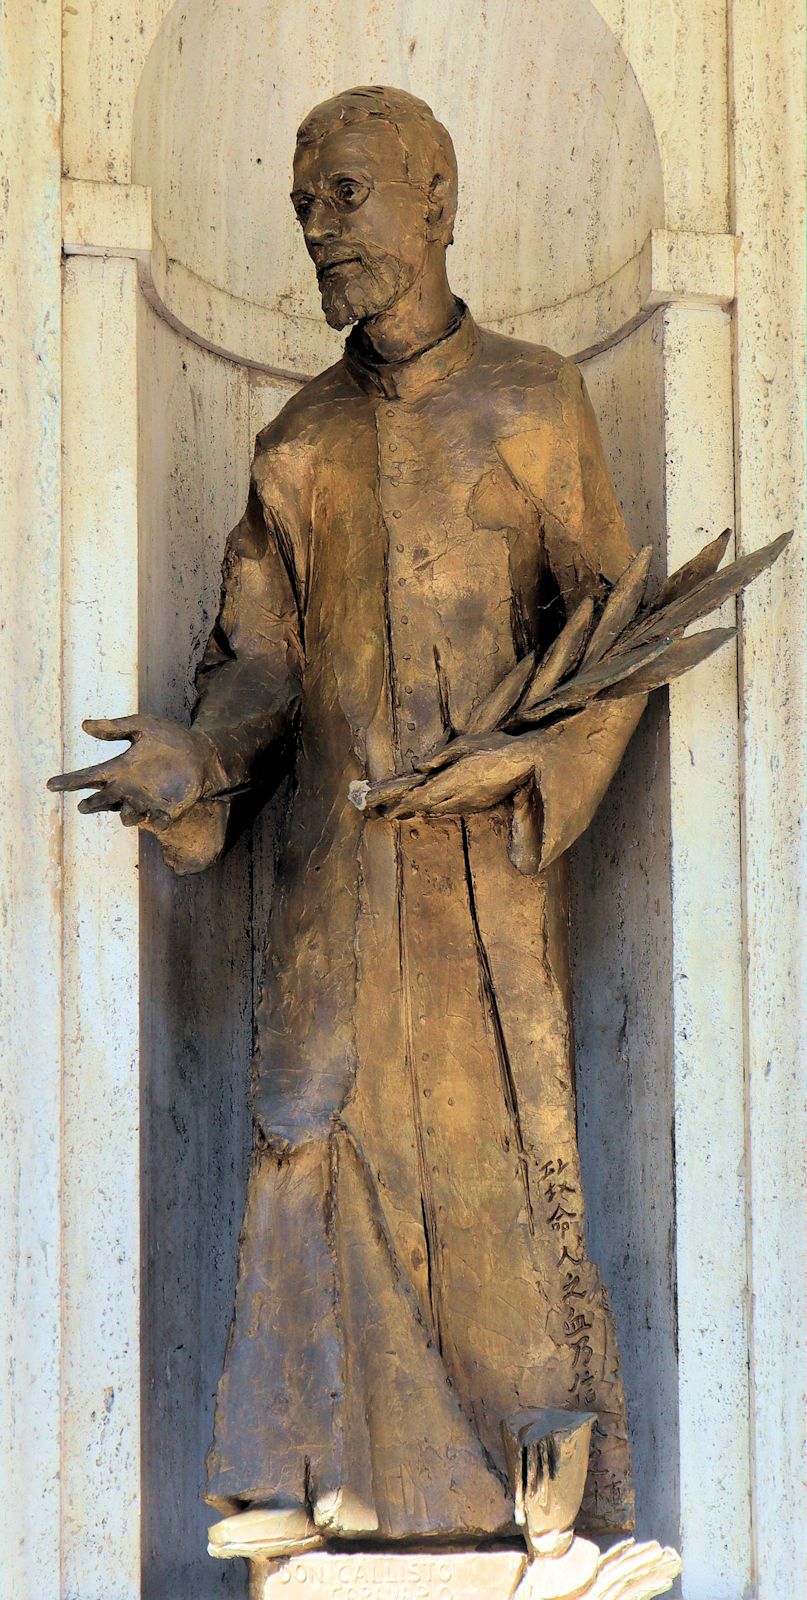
x=423, y=519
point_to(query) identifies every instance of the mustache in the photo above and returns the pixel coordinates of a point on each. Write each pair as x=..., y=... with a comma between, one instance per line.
x=324, y=260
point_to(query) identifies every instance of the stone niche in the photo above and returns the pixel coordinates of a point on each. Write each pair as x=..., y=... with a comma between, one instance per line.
x=560, y=193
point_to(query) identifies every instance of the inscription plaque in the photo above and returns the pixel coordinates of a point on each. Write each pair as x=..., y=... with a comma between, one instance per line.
x=326, y=1575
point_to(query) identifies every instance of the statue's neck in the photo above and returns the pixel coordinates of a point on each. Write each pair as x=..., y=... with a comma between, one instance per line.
x=421, y=316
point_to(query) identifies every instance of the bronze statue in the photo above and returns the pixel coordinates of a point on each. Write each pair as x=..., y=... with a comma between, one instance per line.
x=431, y=609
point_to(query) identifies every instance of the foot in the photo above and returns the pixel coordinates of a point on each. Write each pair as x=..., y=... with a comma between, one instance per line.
x=264, y=1532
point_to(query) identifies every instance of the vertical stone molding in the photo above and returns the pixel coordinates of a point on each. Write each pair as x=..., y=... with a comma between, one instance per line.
x=766, y=67
x=709, y=1125
x=101, y=1082
x=30, y=842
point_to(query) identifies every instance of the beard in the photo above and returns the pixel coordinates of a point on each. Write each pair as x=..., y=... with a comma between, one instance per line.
x=360, y=290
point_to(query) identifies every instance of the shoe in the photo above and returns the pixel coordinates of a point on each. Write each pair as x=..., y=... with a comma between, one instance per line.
x=263, y=1532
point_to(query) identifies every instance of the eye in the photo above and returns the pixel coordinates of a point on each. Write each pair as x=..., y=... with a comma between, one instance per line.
x=350, y=193
x=302, y=205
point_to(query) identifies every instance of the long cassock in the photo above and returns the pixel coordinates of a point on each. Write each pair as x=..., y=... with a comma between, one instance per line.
x=413, y=1265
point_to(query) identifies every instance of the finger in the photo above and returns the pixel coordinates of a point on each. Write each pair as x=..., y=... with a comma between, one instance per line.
x=474, y=784
x=423, y=802
x=107, y=799
x=436, y=794
x=82, y=778
x=133, y=816
x=416, y=804
x=113, y=727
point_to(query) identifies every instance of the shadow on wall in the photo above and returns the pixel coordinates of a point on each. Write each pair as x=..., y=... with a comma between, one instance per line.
x=560, y=183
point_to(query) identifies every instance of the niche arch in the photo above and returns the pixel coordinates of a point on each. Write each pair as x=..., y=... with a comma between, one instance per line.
x=552, y=254
x=560, y=171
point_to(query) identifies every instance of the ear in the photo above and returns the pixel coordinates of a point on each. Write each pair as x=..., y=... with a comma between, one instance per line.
x=440, y=210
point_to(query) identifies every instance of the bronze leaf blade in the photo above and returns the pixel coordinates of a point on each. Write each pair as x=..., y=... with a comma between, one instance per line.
x=591, y=681
x=464, y=745
x=679, y=657
x=621, y=606
x=693, y=572
x=562, y=656
x=495, y=707
x=709, y=594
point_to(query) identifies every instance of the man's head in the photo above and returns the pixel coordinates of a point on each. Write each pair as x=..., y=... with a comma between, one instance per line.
x=375, y=192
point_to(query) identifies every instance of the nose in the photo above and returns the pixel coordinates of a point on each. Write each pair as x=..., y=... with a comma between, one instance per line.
x=321, y=223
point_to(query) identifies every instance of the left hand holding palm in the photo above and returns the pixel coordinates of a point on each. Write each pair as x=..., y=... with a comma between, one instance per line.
x=474, y=782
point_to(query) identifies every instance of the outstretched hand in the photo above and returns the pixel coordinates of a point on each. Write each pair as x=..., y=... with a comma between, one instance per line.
x=166, y=769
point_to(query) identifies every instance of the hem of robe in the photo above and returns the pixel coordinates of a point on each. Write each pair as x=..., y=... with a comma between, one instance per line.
x=371, y=1437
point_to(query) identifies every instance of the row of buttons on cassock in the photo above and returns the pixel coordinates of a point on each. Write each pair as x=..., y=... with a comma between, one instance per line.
x=392, y=450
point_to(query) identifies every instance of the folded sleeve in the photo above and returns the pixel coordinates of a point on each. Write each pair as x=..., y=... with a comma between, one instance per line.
x=585, y=542
x=578, y=759
x=249, y=680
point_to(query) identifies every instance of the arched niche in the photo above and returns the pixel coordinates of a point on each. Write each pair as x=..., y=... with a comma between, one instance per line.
x=560, y=173
x=560, y=185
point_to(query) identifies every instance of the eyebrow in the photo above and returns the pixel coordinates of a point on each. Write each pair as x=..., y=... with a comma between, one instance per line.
x=336, y=177
x=352, y=177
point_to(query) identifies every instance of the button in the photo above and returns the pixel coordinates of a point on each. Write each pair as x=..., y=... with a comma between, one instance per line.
x=407, y=658
x=397, y=515
x=411, y=726
x=399, y=548
x=401, y=582
x=409, y=688
x=390, y=411
x=405, y=620
x=393, y=448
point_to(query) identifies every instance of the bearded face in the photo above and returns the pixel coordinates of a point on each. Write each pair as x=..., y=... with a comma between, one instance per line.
x=359, y=285
x=363, y=219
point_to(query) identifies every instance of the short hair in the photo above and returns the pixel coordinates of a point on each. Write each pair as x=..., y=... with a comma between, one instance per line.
x=428, y=154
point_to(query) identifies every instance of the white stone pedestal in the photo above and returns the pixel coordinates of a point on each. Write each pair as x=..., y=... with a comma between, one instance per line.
x=628, y=1571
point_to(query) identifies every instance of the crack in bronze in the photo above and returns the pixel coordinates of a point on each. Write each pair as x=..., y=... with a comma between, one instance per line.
x=443, y=695
x=392, y=676
x=502, y=1053
x=428, y=1208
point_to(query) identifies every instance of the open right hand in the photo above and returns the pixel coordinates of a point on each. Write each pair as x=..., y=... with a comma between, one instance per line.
x=166, y=769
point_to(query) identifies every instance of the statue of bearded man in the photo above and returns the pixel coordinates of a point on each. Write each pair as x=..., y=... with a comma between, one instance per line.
x=422, y=515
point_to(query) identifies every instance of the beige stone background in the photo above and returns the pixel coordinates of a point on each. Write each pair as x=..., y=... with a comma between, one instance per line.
x=631, y=193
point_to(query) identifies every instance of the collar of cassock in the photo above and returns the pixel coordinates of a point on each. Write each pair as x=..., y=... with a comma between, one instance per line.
x=407, y=380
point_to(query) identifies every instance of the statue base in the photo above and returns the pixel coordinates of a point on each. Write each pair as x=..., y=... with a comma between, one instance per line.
x=627, y=1571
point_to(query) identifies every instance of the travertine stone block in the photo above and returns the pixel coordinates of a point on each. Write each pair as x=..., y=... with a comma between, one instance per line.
x=628, y=1571
x=450, y=1575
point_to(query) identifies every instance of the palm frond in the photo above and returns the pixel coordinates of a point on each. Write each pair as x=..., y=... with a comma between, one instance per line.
x=678, y=657
x=562, y=656
x=693, y=571
x=621, y=606
x=706, y=595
